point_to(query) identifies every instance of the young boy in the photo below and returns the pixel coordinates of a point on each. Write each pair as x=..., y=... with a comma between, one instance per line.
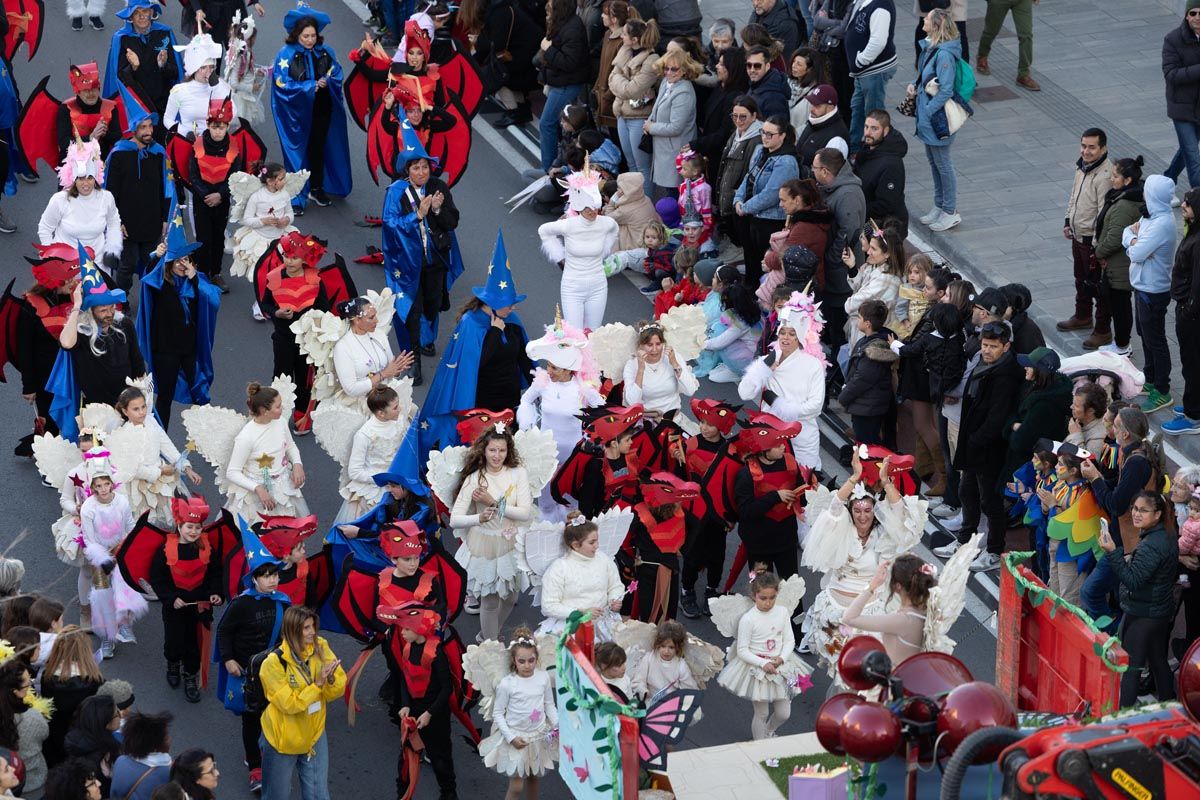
x=609, y=477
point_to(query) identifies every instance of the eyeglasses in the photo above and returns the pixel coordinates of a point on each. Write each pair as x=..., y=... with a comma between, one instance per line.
x=1136, y=510
x=766, y=133
x=755, y=65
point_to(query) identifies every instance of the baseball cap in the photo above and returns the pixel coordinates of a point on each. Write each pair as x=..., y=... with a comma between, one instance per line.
x=823, y=95
x=1042, y=358
x=991, y=301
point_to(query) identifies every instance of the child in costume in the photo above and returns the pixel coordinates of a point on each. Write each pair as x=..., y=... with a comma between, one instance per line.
x=582, y=580
x=105, y=520
x=610, y=659
x=150, y=483
x=912, y=303
x=1073, y=527
x=658, y=533
x=264, y=470
x=673, y=661
x=303, y=579
x=735, y=346
x=714, y=315
x=603, y=470
x=1038, y=473
x=266, y=216
x=523, y=744
x=187, y=580
x=245, y=78
x=371, y=452
x=68, y=535
x=695, y=195
x=688, y=290
x=903, y=631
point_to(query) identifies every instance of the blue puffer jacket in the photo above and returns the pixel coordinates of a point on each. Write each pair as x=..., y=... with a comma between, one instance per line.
x=762, y=200
x=940, y=62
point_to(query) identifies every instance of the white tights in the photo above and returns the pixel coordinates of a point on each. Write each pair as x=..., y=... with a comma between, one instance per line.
x=778, y=710
x=493, y=613
x=85, y=8
x=84, y=585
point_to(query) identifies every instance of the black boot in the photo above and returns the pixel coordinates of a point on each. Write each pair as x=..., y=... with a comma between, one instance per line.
x=191, y=687
x=518, y=116
x=687, y=603
x=415, y=371
x=709, y=594
x=173, y=670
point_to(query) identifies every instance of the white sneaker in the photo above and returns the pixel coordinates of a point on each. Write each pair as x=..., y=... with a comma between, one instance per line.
x=934, y=502
x=945, y=222
x=947, y=550
x=471, y=605
x=257, y=313
x=1111, y=347
x=953, y=524
x=125, y=634
x=723, y=374
x=985, y=562
x=944, y=511
x=108, y=648
x=931, y=217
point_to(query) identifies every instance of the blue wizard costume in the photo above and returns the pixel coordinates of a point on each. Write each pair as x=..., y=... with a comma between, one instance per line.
x=177, y=323
x=152, y=80
x=10, y=111
x=421, y=259
x=311, y=120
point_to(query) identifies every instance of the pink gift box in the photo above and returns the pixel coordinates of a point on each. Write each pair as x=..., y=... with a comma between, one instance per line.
x=834, y=785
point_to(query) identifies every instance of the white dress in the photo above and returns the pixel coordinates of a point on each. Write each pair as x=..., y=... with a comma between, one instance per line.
x=761, y=637
x=355, y=356
x=660, y=389
x=263, y=455
x=581, y=246
x=148, y=489
x=91, y=220
x=576, y=582
x=66, y=531
x=488, y=551
x=187, y=106
x=525, y=708
x=798, y=382
x=104, y=526
x=372, y=450
x=554, y=406
x=252, y=238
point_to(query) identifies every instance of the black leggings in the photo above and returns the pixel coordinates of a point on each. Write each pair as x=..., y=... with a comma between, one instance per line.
x=167, y=367
x=317, y=134
x=1120, y=306
x=181, y=635
x=251, y=731
x=1145, y=639
x=755, y=245
x=707, y=555
x=210, y=233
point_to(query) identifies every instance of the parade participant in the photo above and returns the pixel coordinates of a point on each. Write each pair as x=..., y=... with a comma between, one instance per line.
x=219, y=15
x=215, y=157
x=609, y=660
x=105, y=520
x=420, y=248
x=579, y=242
x=789, y=382
x=176, y=324
x=852, y=533
x=264, y=472
x=290, y=291
x=306, y=580
x=712, y=462
x=187, y=581
x=99, y=349
x=584, y=579
x=902, y=632
x=656, y=377
x=189, y=102
x=405, y=497
x=82, y=211
x=137, y=174
x=492, y=500
x=604, y=469
x=525, y=717
x=663, y=667
x=306, y=101
x=265, y=217
x=142, y=55
x=86, y=115
x=246, y=79
x=250, y=625
x=560, y=391
x=767, y=493
x=148, y=460
x=371, y=452
x=73, y=492
x=657, y=534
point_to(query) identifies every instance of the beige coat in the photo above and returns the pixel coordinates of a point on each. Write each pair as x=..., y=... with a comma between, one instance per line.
x=632, y=210
x=1087, y=197
x=600, y=91
x=633, y=80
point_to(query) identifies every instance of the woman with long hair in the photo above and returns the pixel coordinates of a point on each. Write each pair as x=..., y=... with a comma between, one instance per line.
x=73, y=780
x=614, y=14
x=632, y=81
x=1122, y=208
x=715, y=121
x=803, y=77
x=91, y=737
x=70, y=677
x=565, y=66
x=807, y=223
x=940, y=53
x=23, y=728
x=756, y=202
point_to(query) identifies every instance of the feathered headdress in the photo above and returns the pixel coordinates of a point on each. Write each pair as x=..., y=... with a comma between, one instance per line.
x=583, y=188
x=803, y=314
x=83, y=160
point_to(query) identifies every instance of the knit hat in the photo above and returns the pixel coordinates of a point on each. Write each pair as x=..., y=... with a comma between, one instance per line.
x=668, y=211
x=120, y=691
x=1191, y=4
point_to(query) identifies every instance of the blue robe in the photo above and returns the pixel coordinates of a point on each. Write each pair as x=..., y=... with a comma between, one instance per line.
x=196, y=393
x=292, y=106
x=64, y=405
x=112, y=83
x=230, y=689
x=10, y=110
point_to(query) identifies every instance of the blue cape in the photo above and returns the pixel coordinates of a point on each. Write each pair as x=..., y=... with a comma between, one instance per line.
x=209, y=303
x=230, y=692
x=64, y=405
x=111, y=81
x=402, y=259
x=10, y=110
x=292, y=105
x=154, y=148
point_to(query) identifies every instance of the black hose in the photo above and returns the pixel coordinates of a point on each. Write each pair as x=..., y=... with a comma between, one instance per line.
x=968, y=750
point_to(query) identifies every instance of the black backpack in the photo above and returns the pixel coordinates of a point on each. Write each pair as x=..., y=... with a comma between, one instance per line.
x=255, y=698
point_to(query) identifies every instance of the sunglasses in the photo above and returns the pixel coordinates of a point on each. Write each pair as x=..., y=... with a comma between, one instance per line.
x=754, y=65
x=993, y=329
x=672, y=69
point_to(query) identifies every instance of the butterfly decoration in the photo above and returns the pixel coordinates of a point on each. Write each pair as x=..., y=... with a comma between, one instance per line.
x=570, y=751
x=666, y=721
x=582, y=772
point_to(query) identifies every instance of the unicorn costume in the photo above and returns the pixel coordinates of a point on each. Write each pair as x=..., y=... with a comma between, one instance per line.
x=91, y=220
x=246, y=79
x=187, y=104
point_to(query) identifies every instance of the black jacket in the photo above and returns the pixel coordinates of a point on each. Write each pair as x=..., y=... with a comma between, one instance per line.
x=1148, y=578
x=784, y=24
x=506, y=27
x=172, y=331
x=566, y=61
x=135, y=179
x=1026, y=336
x=245, y=628
x=154, y=81
x=816, y=136
x=881, y=170
x=715, y=127
x=771, y=93
x=1185, y=276
x=101, y=378
x=760, y=533
x=868, y=389
x=988, y=401
x=67, y=694
x=1181, y=73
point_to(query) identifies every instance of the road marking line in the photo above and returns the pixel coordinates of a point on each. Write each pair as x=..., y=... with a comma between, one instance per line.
x=498, y=142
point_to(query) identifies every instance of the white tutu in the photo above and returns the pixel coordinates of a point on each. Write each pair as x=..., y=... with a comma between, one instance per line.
x=289, y=501
x=605, y=626
x=751, y=683
x=534, y=760
x=248, y=246
x=821, y=625
x=501, y=575
x=68, y=541
x=116, y=605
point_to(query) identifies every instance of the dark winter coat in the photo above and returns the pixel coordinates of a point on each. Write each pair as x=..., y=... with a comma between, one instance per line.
x=1185, y=274
x=784, y=24
x=507, y=27
x=868, y=390
x=940, y=360
x=1122, y=208
x=566, y=61
x=1181, y=73
x=988, y=401
x=136, y=182
x=1027, y=336
x=816, y=136
x=735, y=161
x=715, y=127
x=246, y=627
x=772, y=93
x=881, y=169
x=1042, y=414
x=1148, y=578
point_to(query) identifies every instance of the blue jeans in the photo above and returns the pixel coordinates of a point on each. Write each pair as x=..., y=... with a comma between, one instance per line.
x=1188, y=154
x=629, y=131
x=945, y=185
x=869, y=95
x=277, y=772
x=550, y=122
x=1098, y=588
x=1150, y=316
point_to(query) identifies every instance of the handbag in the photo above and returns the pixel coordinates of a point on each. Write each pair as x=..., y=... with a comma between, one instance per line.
x=495, y=73
x=646, y=145
x=956, y=115
x=908, y=107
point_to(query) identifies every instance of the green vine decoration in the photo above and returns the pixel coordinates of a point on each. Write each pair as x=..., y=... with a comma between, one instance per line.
x=1041, y=594
x=589, y=700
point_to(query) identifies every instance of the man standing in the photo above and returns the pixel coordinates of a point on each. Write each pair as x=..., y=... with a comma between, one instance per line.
x=871, y=54
x=136, y=174
x=1181, y=73
x=142, y=55
x=843, y=195
x=825, y=127
x=990, y=394
x=1022, y=14
x=768, y=87
x=1092, y=173
x=781, y=22
x=880, y=167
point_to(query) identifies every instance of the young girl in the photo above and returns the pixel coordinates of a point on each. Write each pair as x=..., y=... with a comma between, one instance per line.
x=609, y=658
x=689, y=290
x=695, y=195
x=1071, y=537
x=735, y=347
x=150, y=483
x=582, y=580
x=1040, y=473
x=1189, y=532
x=665, y=667
x=878, y=278
x=371, y=452
x=762, y=663
x=46, y=617
x=66, y=530
x=264, y=471
x=493, y=500
x=267, y=216
x=902, y=631
x=913, y=301
x=106, y=519
x=523, y=720
x=715, y=324
x=658, y=265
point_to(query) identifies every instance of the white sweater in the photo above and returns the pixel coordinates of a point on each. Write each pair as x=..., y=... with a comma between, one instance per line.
x=576, y=582
x=265, y=203
x=91, y=220
x=104, y=525
x=525, y=706
x=660, y=389
x=764, y=636
x=255, y=440
x=652, y=675
x=583, y=245
x=372, y=449
x=512, y=483
x=157, y=449
x=187, y=105
x=356, y=355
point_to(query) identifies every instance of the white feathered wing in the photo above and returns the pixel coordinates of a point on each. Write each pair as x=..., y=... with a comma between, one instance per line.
x=486, y=664
x=947, y=599
x=613, y=345
x=727, y=610
x=539, y=456
x=443, y=470
x=539, y=546
x=685, y=328
x=99, y=416
x=704, y=660
x=55, y=458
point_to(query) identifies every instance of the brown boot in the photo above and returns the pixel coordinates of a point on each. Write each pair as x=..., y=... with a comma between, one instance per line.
x=938, y=487
x=1027, y=82
x=1096, y=340
x=1074, y=324
x=981, y=66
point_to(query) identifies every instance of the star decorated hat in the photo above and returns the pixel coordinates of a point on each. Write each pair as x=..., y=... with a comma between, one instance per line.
x=137, y=108
x=84, y=77
x=720, y=415
x=664, y=488
x=402, y=539
x=257, y=554
x=300, y=245
x=473, y=422
x=280, y=535
x=604, y=425
x=762, y=431
x=500, y=290
x=411, y=149
x=131, y=6
x=405, y=470
x=189, y=509
x=95, y=290
x=177, y=244
x=292, y=18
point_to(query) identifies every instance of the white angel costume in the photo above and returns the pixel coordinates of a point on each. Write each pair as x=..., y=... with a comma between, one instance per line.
x=848, y=563
x=649, y=674
x=187, y=103
x=489, y=552
x=372, y=449
x=796, y=381
x=758, y=637
x=62, y=464
x=517, y=706
x=139, y=453
x=252, y=201
x=245, y=78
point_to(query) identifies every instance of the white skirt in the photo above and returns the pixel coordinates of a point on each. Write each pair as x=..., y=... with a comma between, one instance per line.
x=821, y=627
x=501, y=574
x=248, y=245
x=67, y=541
x=289, y=501
x=534, y=760
x=605, y=627
x=751, y=683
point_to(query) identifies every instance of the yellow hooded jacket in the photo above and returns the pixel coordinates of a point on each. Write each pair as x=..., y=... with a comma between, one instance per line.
x=295, y=715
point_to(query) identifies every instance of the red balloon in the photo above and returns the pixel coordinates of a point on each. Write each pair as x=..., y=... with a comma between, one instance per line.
x=1188, y=690
x=969, y=708
x=829, y=720
x=870, y=732
x=851, y=660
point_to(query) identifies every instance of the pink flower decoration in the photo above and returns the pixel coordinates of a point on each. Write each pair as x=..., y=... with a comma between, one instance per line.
x=803, y=683
x=535, y=716
x=632, y=587
x=770, y=644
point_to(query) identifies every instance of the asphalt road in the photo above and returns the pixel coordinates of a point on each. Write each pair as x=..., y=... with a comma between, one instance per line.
x=363, y=757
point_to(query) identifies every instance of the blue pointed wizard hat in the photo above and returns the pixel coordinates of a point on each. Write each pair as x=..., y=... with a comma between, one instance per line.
x=500, y=291
x=411, y=148
x=301, y=11
x=133, y=5
x=404, y=470
x=177, y=244
x=95, y=290
x=257, y=554
x=136, y=107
